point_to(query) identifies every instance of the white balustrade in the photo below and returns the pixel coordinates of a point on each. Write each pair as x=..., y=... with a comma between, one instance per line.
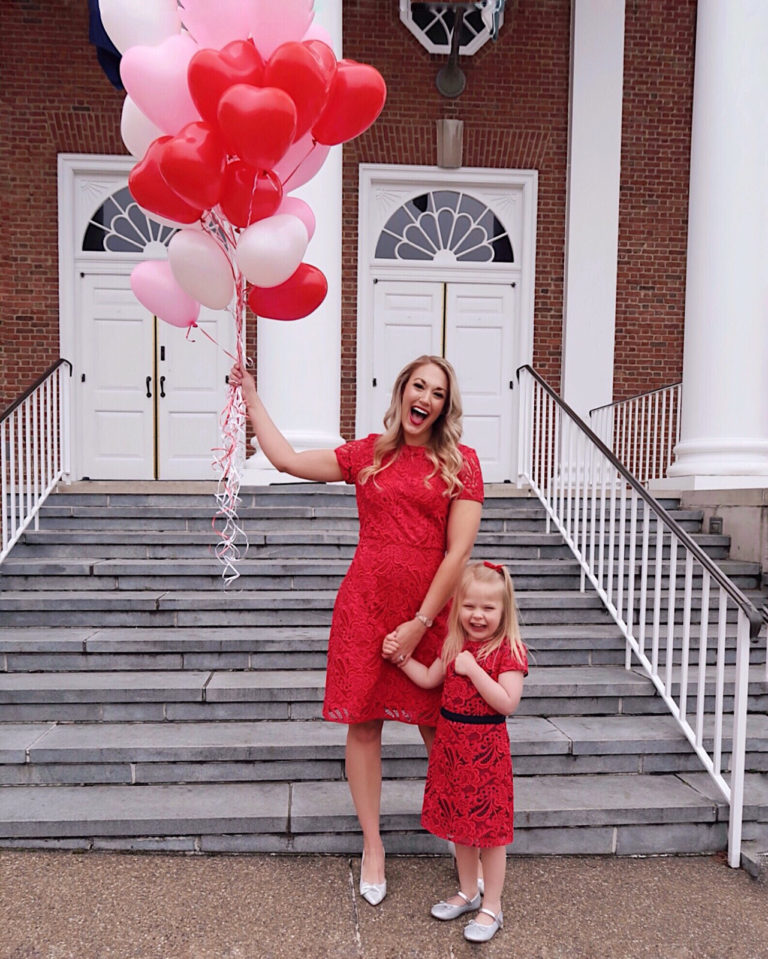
x=678, y=612
x=34, y=451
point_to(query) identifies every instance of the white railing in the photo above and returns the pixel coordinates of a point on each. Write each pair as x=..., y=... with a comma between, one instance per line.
x=34, y=450
x=642, y=431
x=649, y=574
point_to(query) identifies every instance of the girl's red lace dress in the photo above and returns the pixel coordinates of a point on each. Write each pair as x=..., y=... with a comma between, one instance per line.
x=402, y=542
x=468, y=794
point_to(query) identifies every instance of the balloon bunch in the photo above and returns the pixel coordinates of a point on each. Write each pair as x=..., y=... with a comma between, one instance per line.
x=230, y=106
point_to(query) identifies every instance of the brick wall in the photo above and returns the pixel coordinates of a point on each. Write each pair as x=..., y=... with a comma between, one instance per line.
x=653, y=212
x=55, y=98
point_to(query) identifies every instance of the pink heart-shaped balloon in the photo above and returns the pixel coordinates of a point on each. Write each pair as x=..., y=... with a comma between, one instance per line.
x=151, y=191
x=257, y=123
x=299, y=296
x=355, y=99
x=155, y=78
x=156, y=288
x=192, y=164
x=306, y=77
x=212, y=72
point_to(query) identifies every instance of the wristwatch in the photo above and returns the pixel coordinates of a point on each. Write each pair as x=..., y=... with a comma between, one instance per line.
x=423, y=619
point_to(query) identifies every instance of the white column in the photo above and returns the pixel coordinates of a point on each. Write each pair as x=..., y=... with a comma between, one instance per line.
x=299, y=362
x=592, y=231
x=724, y=431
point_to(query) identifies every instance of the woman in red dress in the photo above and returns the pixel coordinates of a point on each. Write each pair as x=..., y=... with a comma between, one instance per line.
x=419, y=496
x=468, y=795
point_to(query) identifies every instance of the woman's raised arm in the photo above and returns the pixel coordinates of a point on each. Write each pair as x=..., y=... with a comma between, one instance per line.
x=318, y=465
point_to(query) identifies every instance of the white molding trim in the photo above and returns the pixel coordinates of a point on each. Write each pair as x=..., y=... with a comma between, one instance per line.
x=511, y=194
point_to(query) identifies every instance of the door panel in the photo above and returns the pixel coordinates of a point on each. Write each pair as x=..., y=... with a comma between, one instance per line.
x=480, y=323
x=170, y=433
x=474, y=326
x=192, y=372
x=408, y=323
x=116, y=358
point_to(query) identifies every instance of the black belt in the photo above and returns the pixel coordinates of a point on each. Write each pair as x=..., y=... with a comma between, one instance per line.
x=491, y=719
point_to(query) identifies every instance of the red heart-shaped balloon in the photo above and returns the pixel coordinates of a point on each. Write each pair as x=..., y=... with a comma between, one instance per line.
x=212, y=72
x=151, y=191
x=257, y=123
x=305, y=77
x=355, y=99
x=248, y=195
x=299, y=296
x=192, y=164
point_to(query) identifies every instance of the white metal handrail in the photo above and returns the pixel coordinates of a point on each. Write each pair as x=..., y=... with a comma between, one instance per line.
x=642, y=431
x=648, y=572
x=34, y=451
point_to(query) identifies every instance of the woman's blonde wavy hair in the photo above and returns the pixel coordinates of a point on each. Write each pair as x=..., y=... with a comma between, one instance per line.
x=443, y=445
x=509, y=625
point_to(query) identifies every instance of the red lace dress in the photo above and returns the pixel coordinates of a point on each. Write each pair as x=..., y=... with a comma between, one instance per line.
x=468, y=794
x=402, y=542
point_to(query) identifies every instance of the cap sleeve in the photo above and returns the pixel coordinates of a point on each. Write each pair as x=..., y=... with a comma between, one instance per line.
x=471, y=476
x=509, y=662
x=353, y=456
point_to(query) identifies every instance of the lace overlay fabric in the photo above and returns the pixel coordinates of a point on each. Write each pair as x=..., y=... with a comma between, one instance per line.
x=468, y=797
x=402, y=542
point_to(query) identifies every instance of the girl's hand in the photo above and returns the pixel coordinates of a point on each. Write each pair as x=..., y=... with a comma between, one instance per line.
x=389, y=646
x=405, y=638
x=464, y=663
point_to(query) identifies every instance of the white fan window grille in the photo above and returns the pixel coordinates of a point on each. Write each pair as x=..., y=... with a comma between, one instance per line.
x=445, y=226
x=121, y=226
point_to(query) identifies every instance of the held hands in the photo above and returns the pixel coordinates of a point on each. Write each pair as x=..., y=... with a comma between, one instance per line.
x=401, y=642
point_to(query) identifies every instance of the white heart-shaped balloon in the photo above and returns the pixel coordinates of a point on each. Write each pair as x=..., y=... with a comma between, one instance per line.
x=270, y=250
x=201, y=268
x=132, y=22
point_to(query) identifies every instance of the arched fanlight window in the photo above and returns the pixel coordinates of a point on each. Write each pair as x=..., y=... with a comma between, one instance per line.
x=445, y=226
x=432, y=24
x=121, y=226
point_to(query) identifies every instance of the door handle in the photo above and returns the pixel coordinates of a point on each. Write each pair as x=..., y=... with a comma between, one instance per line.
x=162, y=387
x=149, y=385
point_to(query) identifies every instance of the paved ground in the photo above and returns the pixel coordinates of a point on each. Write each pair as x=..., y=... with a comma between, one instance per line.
x=122, y=906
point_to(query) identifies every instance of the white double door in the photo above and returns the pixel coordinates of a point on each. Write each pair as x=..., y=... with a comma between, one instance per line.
x=148, y=397
x=475, y=327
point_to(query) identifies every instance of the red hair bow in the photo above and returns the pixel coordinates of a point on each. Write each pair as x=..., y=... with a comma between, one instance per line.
x=499, y=569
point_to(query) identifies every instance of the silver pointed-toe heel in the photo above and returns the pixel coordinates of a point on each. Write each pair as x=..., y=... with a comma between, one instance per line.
x=476, y=932
x=445, y=910
x=372, y=892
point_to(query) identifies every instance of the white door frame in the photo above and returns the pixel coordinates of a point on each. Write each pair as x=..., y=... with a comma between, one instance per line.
x=84, y=181
x=511, y=194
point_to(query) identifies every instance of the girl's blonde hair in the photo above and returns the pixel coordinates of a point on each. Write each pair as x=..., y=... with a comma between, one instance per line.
x=443, y=445
x=509, y=626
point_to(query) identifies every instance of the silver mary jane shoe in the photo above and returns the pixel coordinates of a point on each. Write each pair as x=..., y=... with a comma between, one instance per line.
x=372, y=892
x=445, y=910
x=475, y=932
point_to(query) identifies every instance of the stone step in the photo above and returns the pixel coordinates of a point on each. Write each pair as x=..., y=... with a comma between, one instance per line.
x=611, y=814
x=206, y=695
x=35, y=573
x=131, y=753
x=36, y=649
x=236, y=607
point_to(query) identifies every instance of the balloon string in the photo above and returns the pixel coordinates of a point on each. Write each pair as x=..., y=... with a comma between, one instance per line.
x=229, y=459
x=197, y=326
x=287, y=180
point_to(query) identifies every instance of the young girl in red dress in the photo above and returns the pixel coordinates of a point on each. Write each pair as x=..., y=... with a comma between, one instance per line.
x=468, y=794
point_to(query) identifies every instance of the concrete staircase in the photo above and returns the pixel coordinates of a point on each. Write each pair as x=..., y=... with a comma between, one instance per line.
x=145, y=706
